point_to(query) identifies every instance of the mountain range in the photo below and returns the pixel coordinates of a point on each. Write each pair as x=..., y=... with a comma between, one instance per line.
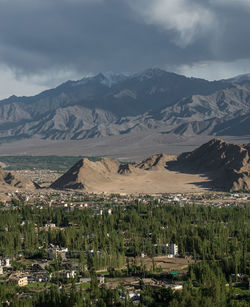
x=215, y=165
x=114, y=104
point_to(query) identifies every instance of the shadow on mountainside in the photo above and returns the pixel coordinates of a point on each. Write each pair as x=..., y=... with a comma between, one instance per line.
x=212, y=183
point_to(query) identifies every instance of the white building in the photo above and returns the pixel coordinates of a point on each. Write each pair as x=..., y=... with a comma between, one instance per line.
x=173, y=250
x=67, y=274
x=7, y=263
x=50, y=225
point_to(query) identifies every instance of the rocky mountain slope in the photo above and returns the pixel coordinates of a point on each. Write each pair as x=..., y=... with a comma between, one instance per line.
x=228, y=164
x=113, y=104
x=155, y=162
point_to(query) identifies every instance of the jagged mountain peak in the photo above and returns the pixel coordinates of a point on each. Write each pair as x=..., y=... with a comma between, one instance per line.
x=216, y=150
x=108, y=79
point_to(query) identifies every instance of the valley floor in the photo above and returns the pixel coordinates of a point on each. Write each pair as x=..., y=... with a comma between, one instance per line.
x=128, y=147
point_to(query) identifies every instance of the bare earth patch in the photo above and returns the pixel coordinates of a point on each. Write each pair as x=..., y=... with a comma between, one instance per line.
x=162, y=181
x=165, y=263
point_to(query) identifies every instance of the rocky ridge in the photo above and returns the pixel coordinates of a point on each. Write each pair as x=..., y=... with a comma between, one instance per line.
x=229, y=164
x=11, y=179
x=157, y=161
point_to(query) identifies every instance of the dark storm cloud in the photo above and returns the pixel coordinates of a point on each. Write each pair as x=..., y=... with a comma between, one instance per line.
x=89, y=36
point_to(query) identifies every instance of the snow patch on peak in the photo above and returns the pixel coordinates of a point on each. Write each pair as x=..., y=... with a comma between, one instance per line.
x=107, y=78
x=149, y=73
x=112, y=78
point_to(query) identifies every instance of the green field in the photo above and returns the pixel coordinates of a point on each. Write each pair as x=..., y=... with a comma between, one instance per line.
x=58, y=163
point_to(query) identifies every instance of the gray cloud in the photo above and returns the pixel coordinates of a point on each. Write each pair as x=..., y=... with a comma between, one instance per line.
x=88, y=36
x=188, y=18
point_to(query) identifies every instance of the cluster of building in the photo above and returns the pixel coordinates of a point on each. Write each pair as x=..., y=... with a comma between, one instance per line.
x=223, y=199
x=37, y=273
x=70, y=200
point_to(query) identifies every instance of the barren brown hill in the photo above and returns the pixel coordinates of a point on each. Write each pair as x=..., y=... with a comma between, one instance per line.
x=149, y=176
x=86, y=173
x=228, y=164
x=214, y=165
x=11, y=179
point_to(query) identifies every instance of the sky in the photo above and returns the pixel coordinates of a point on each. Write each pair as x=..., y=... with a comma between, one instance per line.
x=46, y=42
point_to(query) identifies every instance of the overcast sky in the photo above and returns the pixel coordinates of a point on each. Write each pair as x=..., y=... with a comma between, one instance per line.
x=46, y=42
